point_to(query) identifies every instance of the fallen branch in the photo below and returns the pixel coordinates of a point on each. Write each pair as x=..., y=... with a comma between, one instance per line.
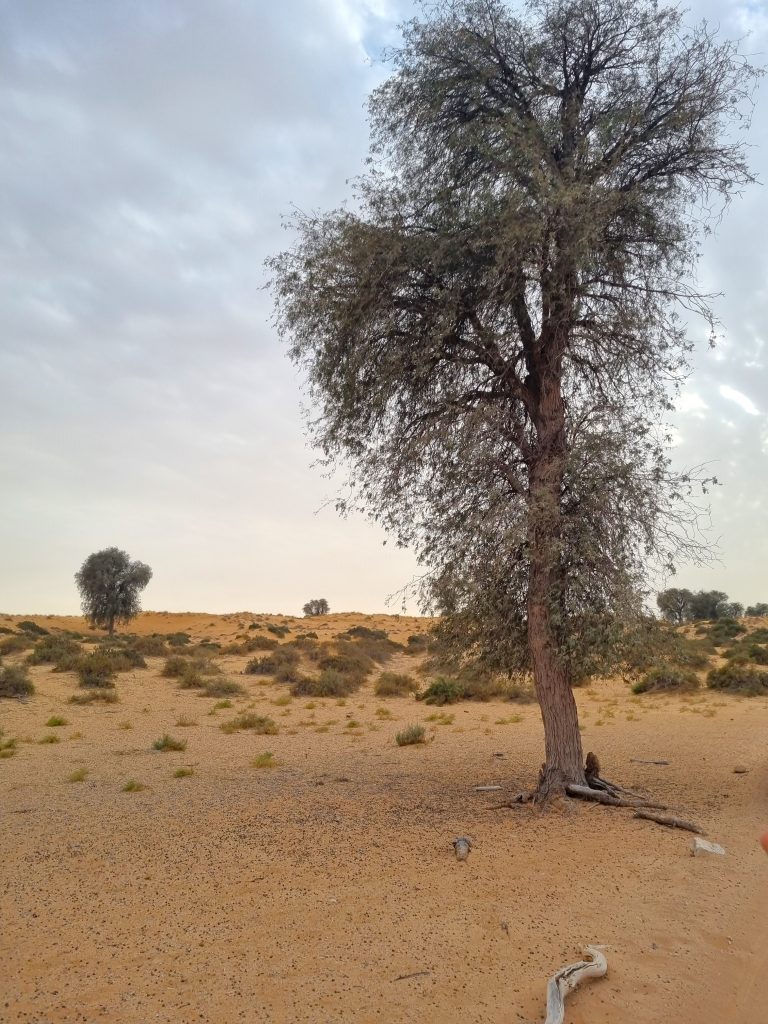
x=486, y=789
x=567, y=978
x=670, y=821
x=639, y=760
x=600, y=797
x=612, y=787
x=416, y=974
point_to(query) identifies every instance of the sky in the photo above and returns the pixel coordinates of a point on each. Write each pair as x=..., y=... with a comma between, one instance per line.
x=150, y=151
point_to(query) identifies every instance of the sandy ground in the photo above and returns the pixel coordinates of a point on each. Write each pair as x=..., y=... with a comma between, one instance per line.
x=302, y=893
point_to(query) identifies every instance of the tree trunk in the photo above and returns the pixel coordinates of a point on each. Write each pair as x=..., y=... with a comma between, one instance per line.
x=564, y=761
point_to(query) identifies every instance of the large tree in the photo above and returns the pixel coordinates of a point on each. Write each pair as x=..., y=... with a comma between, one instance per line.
x=491, y=336
x=110, y=584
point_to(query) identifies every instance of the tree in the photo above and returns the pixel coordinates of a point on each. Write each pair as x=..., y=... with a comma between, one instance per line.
x=761, y=608
x=730, y=610
x=109, y=584
x=492, y=338
x=707, y=604
x=318, y=606
x=674, y=604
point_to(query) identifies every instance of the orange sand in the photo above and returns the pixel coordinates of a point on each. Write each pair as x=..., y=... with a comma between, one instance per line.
x=301, y=893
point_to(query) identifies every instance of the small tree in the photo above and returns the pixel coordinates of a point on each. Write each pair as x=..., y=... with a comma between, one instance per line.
x=317, y=606
x=707, y=604
x=761, y=608
x=109, y=584
x=674, y=604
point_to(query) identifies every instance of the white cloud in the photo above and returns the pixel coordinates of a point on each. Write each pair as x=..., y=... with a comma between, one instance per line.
x=740, y=399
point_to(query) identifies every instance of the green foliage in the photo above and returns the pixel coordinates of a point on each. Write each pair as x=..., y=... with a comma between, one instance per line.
x=221, y=688
x=418, y=643
x=280, y=631
x=443, y=691
x=175, y=666
x=27, y=626
x=349, y=662
x=132, y=786
x=251, y=722
x=7, y=746
x=96, y=670
x=178, y=639
x=167, y=742
x=110, y=584
x=666, y=678
x=54, y=650
x=747, y=652
x=150, y=646
x=761, y=608
x=102, y=695
x=78, y=775
x=183, y=773
x=363, y=633
x=393, y=684
x=411, y=735
x=736, y=677
x=330, y=683
x=254, y=643
x=265, y=760
x=55, y=721
x=317, y=606
x=15, y=682
x=51, y=738
x=14, y=644
x=721, y=631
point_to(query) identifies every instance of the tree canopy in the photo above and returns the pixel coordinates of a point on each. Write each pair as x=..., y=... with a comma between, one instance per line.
x=492, y=337
x=110, y=584
x=317, y=606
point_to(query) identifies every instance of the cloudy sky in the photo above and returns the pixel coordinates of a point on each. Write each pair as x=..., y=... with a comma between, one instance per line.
x=149, y=150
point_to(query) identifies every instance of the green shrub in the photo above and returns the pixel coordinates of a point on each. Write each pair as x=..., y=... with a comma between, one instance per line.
x=221, y=688
x=96, y=671
x=311, y=635
x=27, y=626
x=280, y=631
x=756, y=654
x=330, y=683
x=664, y=678
x=721, y=631
x=167, y=742
x=251, y=722
x=260, y=667
x=92, y=696
x=132, y=786
x=175, y=666
x=348, y=662
x=392, y=684
x=53, y=649
x=55, y=721
x=15, y=682
x=151, y=646
x=14, y=644
x=417, y=643
x=178, y=639
x=78, y=775
x=190, y=678
x=411, y=735
x=443, y=691
x=254, y=643
x=183, y=773
x=7, y=747
x=739, y=678
x=265, y=760
x=364, y=633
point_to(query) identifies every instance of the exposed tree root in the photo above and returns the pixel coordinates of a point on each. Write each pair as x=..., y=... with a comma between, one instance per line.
x=567, y=978
x=670, y=821
x=601, y=797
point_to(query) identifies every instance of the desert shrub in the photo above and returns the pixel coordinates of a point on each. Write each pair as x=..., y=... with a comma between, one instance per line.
x=124, y=658
x=664, y=678
x=265, y=760
x=260, y=667
x=364, y=633
x=251, y=722
x=721, y=631
x=167, y=742
x=311, y=635
x=758, y=636
x=96, y=670
x=756, y=654
x=411, y=735
x=443, y=691
x=15, y=682
x=151, y=646
x=183, y=773
x=254, y=643
x=132, y=786
x=393, y=684
x=15, y=643
x=221, y=688
x=27, y=626
x=178, y=639
x=255, y=625
x=190, y=678
x=208, y=647
x=417, y=643
x=7, y=746
x=330, y=683
x=93, y=696
x=55, y=721
x=280, y=631
x=78, y=775
x=739, y=678
x=51, y=650
x=350, y=661
x=175, y=666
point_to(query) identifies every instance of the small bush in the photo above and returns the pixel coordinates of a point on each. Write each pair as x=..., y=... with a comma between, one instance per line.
x=280, y=631
x=348, y=662
x=56, y=720
x=132, y=786
x=53, y=649
x=78, y=775
x=51, y=738
x=183, y=773
x=178, y=639
x=96, y=671
x=15, y=682
x=251, y=722
x=27, y=626
x=265, y=760
x=747, y=652
x=739, y=678
x=7, y=747
x=221, y=688
x=365, y=633
x=392, y=684
x=411, y=735
x=183, y=722
x=167, y=742
x=443, y=691
x=14, y=644
x=417, y=643
x=151, y=646
x=221, y=704
x=330, y=683
x=665, y=678
x=94, y=696
x=311, y=635
x=175, y=666
x=721, y=631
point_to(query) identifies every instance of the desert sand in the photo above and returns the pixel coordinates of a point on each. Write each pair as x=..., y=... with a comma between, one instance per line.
x=306, y=891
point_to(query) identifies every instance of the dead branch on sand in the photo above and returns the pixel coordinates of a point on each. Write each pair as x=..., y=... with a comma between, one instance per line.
x=567, y=978
x=670, y=821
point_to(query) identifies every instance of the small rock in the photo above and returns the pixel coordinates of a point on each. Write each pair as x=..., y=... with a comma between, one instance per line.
x=700, y=845
x=462, y=846
x=740, y=769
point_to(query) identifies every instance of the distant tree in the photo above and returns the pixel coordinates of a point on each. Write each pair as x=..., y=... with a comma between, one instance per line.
x=730, y=610
x=674, y=604
x=109, y=584
x=490, y=334
x=761, y=608
x=318, y=606
x=707, y=604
